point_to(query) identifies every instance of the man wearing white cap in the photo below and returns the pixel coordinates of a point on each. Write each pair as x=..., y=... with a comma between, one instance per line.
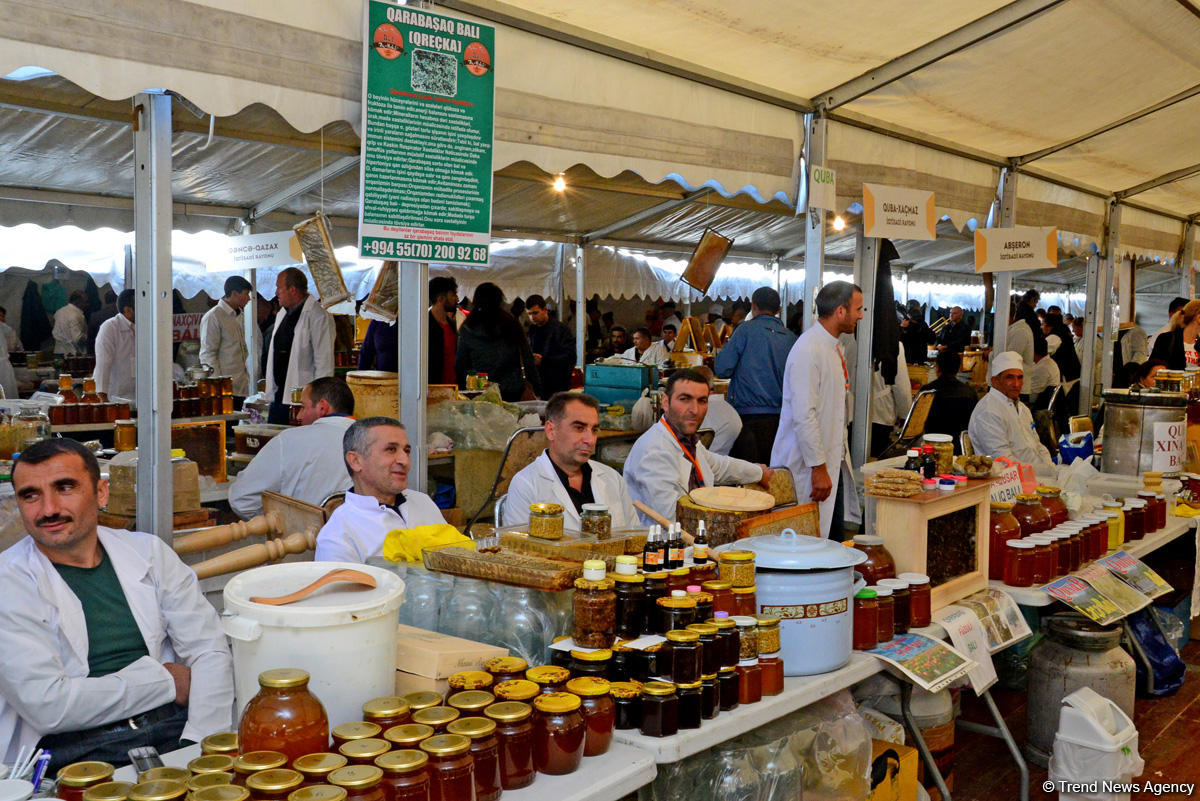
x=1003, y=426
x=716, y=317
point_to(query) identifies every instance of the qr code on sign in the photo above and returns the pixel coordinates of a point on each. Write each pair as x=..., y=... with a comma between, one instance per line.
x=433, y=72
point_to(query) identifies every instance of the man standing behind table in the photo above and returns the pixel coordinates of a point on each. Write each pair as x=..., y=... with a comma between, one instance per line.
x=644, y=350
x=301, y=346
x=754, y=359
x=116, y=352
x=553, y=346
x=443, y=331
x=376, y=454
x=223, y=335
x=812, y=426
x=107, y=642
x=1001, y=424
x=565, y=474
x=70, y=326
x=956, y=335
x=304, y=462
x=668, y=461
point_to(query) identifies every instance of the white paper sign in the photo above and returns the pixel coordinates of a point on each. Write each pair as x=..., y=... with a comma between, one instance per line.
x=279, y=249
x=1169, y=440
x=898, y=213
x=822, y=188
x=969, y=640
x=1023, y=247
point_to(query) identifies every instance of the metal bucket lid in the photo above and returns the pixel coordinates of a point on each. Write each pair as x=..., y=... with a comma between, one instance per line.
x=1080, y=633
x=1146, y=397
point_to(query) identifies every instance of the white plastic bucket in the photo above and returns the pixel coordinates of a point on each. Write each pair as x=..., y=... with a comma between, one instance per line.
x=344, y=635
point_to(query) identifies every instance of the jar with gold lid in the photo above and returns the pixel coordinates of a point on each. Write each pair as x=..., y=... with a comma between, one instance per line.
x=485, y=750
x=470, y=680
x=354, y=730
x=516, y=690
x=408, y=735
x=558, y=733
x=660, y=709
x=361, y=782
x=211, y=763
x=674, y=612
x=318, y=792
x=406, y=772
x=546, y=521
x=591, y=663
x=422, y=699
x=363, y=752
x=599, y=713
x=252, y=762
x=164, y=772
x=506, y=668
x=737, y=567
x=73, y=779
x=273, y=785
x=1030, y=514
x=451, y=767
x=108, y=791
x=439, y=717
x=627, y=700
x=722, y=593
x=1053, y=503
x=550, y=678
x=315, y=768
x=472, y=702
x=514, y=732
x=220, y=792
x=284, y=716
x=225, y=742
x=158, y=790
x=745, y=600
x=386, y=711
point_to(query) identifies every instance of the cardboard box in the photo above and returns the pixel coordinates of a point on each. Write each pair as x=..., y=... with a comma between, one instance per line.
x=893, y=772
x=122, y=487
x=436, y=656
x=412, y=683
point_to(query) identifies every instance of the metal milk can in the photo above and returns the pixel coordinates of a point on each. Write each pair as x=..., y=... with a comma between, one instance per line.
x=1144, y=431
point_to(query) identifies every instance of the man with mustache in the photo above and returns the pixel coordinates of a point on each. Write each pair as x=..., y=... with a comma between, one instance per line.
x=376, y=451
x=107, y=642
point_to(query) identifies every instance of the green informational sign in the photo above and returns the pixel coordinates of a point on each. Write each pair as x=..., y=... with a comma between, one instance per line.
x=428, y=98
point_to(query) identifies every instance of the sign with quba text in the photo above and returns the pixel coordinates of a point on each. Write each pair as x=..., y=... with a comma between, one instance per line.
x=822, y=188
x=898, y=213
x=428, y=103
x=1023, y=247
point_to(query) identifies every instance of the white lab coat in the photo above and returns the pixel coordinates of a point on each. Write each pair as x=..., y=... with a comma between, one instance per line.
x=305, y=462
x=657, y=472
x=725, y=422
x=812, y=422
x=70, y=330
x=1020, y=339
x=312, y=348
x=8, y=376
x=1045, y=374
x=356, y=530
x=223, y=345
x=44, y=683
x=889, y=405
x=1000, y=427
x=116, y=358
x=655, y=354
x=538, y=483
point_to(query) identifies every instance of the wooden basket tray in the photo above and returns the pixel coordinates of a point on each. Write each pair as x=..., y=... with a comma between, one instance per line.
x=571, y=546
x=507, y=567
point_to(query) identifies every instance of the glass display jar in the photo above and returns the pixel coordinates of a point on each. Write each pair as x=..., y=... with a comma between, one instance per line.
x=1135, y=520
x=471, y=702
x=514, y=733
x=879, y=564
x=747, y=629
x=315, y=768
x=506, y=668
x=546, y=521
x=686, y=658
x=485, y=750
x=690, y=704
x=1149, y=498
x=728, y=641
x=660, y=709
x=273, y=785
x=66, y=388
x=1002, y=528
x=355, y=730
x=408, y=735
x=745, y=600
x=125, y=435
x=386, y=711
x=920, y=600
x=549, y=678
x=1018, y=563
x=627, y=700
x=885, y=613
x=710, y=655
x=749, y=675
x=1053, y=503
x=772, y=673
x=591, y=663
x=73, y=779
x=710, y=696
x=1030, y=514
x=722, y=593
x=595, y=521
x=364, y=752
x=630, y=600
x=865, y=620
x=518, y=689
x=737, y=568
x=943, y=451
x=679, y=578
x=250, y=762
x=405, y=775
x=900, y=603
x=436, y=717
x=727, y=681
x=595, y=607
x=284, y=716
x=559, y=733
x=469, y=680
x=656, y=587
x=1042, y=560
x=599, y=712
x=361, y=782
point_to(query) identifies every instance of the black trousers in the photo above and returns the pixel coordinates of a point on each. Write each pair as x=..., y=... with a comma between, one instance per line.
x=837, y=524
x=756, y=439
x=160, y=727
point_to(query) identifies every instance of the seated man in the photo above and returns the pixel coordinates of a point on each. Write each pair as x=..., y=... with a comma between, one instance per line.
x=107, y=643
x=644, y=351
x=1003, y=426
x=376, y=454
x=953, y=400
x=303, y=462
x=667, y=461
x=565, y=473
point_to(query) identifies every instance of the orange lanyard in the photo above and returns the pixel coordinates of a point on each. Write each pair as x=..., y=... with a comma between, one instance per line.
x=690, y=457
x=845, y=372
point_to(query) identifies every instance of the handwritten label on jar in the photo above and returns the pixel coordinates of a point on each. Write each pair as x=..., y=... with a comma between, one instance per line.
x=806, y=611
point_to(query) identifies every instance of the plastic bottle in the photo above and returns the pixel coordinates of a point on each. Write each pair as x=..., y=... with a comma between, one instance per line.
x=928, y=462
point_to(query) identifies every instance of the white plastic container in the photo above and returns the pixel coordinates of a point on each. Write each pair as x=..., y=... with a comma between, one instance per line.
x=344, y=635
x=1096, y=741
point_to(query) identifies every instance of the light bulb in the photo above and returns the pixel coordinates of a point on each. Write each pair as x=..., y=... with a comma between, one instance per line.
x=838, y=223
x=560, y=183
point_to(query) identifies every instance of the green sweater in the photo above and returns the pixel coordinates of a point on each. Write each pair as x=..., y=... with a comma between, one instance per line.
x=114, y=639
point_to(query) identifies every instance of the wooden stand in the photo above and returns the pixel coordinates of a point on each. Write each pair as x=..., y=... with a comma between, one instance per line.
x=257, y=554
x=214, y=537
x=904, y=525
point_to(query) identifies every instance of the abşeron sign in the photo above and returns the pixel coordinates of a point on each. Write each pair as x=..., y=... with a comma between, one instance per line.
x=426, y=169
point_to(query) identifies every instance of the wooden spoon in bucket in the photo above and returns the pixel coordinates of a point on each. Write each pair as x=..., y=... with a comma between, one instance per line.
x=341, y=574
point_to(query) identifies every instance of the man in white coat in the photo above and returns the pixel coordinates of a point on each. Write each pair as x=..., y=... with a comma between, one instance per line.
x=70, y=326
x=304, y=462
x=668, y=461
x=116, y=352
x=721, y=417
x=223, y=335
x=644, y=350
x=107, y=642
x=376, y=452
x=565, y=474
x=1003, y=426
x=812, y=423
x=301, y=346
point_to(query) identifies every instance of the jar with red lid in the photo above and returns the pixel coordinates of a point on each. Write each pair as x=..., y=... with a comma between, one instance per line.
x=451, y=767
x=879, y=564
x=485, y=750
x=1030, y=514
x=559, y=733
x=900, y=603
x=1002, y=528
x=599, y=713
x=1053, y=503
x=514, y=734
x=865, y=620
x=361, y=782
x=386, y=711
x=405, y=775
x=1018, y=563
x=920, y=601
x=284, y=716
x=722, y=593
x=886, y=613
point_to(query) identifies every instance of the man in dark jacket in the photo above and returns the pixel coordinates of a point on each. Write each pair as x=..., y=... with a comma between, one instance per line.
x=443, y=334
x=553, y=346
x=955, y=335
x=954, y=400
x=915, y=336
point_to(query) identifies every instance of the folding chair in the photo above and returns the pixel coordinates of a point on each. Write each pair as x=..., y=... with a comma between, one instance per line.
x=525, y=445
x=914, y=424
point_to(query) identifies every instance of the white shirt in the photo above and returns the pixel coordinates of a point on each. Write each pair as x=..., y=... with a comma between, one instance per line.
x=116, y=358
x=889, y=405
x=70, y=330
x=1135, y=347
x=356, y=530
x=11, y=340
x=537, y=483
x=1020, y=339
x=312, y=348
x=44, y=683
x=1053, y=343
x=1045, y=374
x=655, y=354
x=223, y=345
x=8, y=376
x=305, y=462
x=725, y=422
x=812, y=421
x=1000, y=427
x=657, y=470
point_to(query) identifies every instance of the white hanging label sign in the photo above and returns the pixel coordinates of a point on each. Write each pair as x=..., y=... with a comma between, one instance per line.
x=822, y=188
x=898, y=213
x=1023, y=247
x=252, y=251
x=1169, y=439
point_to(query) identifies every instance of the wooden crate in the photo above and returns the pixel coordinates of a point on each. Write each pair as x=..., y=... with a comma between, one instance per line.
x=204, y=444
x=904, y=525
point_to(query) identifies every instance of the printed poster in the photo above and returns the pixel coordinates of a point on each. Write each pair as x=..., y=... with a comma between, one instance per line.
x=1002, y=621
x=1135, y=573
x=928, y=663
x=968, y=637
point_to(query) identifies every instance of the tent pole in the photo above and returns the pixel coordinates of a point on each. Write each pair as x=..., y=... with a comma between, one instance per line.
x=866, y=257
x=814, y=233
x=1107, y=309
x=1006, y=218
x=1091, y=321
x=250, y=321
x=580, y=306
x=413, y=332
x=1187, y=250
x=152, y=310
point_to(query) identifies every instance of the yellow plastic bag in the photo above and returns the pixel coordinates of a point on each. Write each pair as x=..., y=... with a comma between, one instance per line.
x=405, y=544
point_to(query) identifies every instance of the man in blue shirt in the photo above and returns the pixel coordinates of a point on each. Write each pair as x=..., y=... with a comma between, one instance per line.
x=754, y=357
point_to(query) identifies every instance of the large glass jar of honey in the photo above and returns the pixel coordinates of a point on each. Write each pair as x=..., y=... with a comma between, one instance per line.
x=451, y=767
x=879, y=564
x=558, y=733
x=1052, y=502
x=284, y=716
x=1003, y=527
x=1030, y=514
